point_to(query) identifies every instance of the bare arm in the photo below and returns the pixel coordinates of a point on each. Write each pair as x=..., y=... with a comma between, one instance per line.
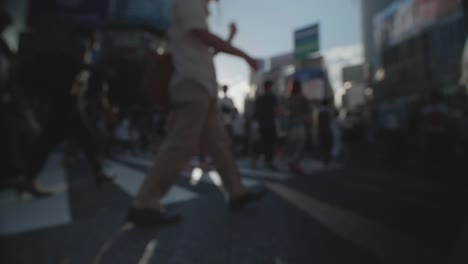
x=232, y=34
x=221, y=45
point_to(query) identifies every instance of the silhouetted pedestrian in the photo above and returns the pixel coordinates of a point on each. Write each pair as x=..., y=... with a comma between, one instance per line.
x=325, y=133
x=299, y=119
x=266, y=112
x=65, y=74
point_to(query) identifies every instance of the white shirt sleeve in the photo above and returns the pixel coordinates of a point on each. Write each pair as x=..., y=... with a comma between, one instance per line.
x=192, y=14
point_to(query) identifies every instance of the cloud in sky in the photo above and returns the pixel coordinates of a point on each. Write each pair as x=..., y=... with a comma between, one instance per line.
x=339, y=57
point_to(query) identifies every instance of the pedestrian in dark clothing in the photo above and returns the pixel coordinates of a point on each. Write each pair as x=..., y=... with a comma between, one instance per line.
x=266, y=110
x=325, y=133
x=299, y=121
x=17, y=122
x=65, y=74
x=99, y=111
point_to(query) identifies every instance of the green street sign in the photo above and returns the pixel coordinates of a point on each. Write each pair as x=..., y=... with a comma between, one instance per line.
x=306, y=41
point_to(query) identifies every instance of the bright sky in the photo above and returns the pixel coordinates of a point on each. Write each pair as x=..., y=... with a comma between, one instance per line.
x=265, y=28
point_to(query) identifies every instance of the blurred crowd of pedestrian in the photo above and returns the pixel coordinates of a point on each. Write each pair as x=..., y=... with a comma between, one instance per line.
x=428, y=134
x=59, y=99
x=37, y=113
x=283, y=131
x=431, y=136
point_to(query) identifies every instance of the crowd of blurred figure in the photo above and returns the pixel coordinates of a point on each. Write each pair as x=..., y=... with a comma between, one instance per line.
x=431, y=136
x=60, y=96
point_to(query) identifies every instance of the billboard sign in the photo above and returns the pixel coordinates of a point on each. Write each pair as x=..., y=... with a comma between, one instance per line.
x=314, y=89
x=428, y=11
x=313, y=83
x=306, y=41
x=394, y=23
x=405, y=18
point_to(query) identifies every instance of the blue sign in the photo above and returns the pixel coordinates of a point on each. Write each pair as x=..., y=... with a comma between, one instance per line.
x=309, y=75
x=154, y=13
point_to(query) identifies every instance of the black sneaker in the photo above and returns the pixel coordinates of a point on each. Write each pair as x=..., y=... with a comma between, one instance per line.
x=247, y=198
x=151, y=218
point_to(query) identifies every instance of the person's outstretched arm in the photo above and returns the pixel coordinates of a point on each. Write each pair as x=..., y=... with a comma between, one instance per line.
x=232, y=35
x=221, y=45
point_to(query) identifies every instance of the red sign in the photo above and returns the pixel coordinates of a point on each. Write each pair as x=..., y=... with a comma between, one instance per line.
x=429, y=10
x=404, y=18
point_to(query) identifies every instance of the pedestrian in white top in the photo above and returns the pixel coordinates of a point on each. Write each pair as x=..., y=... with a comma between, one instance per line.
x=194, y=116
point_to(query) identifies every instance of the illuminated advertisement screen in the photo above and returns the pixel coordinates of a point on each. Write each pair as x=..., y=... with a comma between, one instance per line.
x=405, y=18
x=428, y=11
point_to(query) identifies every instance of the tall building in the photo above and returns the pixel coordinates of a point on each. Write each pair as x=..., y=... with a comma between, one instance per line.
x=370, y=8
x=413, y=47
x=355, y=87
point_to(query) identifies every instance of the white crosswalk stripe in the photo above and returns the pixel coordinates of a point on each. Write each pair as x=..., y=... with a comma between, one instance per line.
x=264, y=174
x=130, y=181
x=18, y=216
x=196, y=175
x=212, y=177
x=259, y=174
x=145, y=162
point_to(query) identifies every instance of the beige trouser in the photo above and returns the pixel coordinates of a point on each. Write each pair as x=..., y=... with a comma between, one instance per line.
x=194, y=118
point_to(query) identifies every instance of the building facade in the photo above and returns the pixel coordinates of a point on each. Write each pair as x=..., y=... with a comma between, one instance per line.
x=413, y=47
x=354, y=86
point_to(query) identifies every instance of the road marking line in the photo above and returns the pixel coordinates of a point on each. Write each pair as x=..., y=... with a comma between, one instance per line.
x=130, y=180
x=110, y=242
x=149, y=252
x=264, y=174
x=272, y=175
x=31, y=214
x=388, y=245
x=312, y=167
x=146, y=162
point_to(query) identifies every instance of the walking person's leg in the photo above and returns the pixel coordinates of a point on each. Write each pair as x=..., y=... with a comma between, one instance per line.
x=52, y=133
x=83, y=134
x=218, y=145
x=269, y=145
x=295, y=150
x=256, y=146
x=191, y=104
x=190, y=117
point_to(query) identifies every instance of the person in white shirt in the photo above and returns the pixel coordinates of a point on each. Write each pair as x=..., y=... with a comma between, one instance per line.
x=194, y=116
